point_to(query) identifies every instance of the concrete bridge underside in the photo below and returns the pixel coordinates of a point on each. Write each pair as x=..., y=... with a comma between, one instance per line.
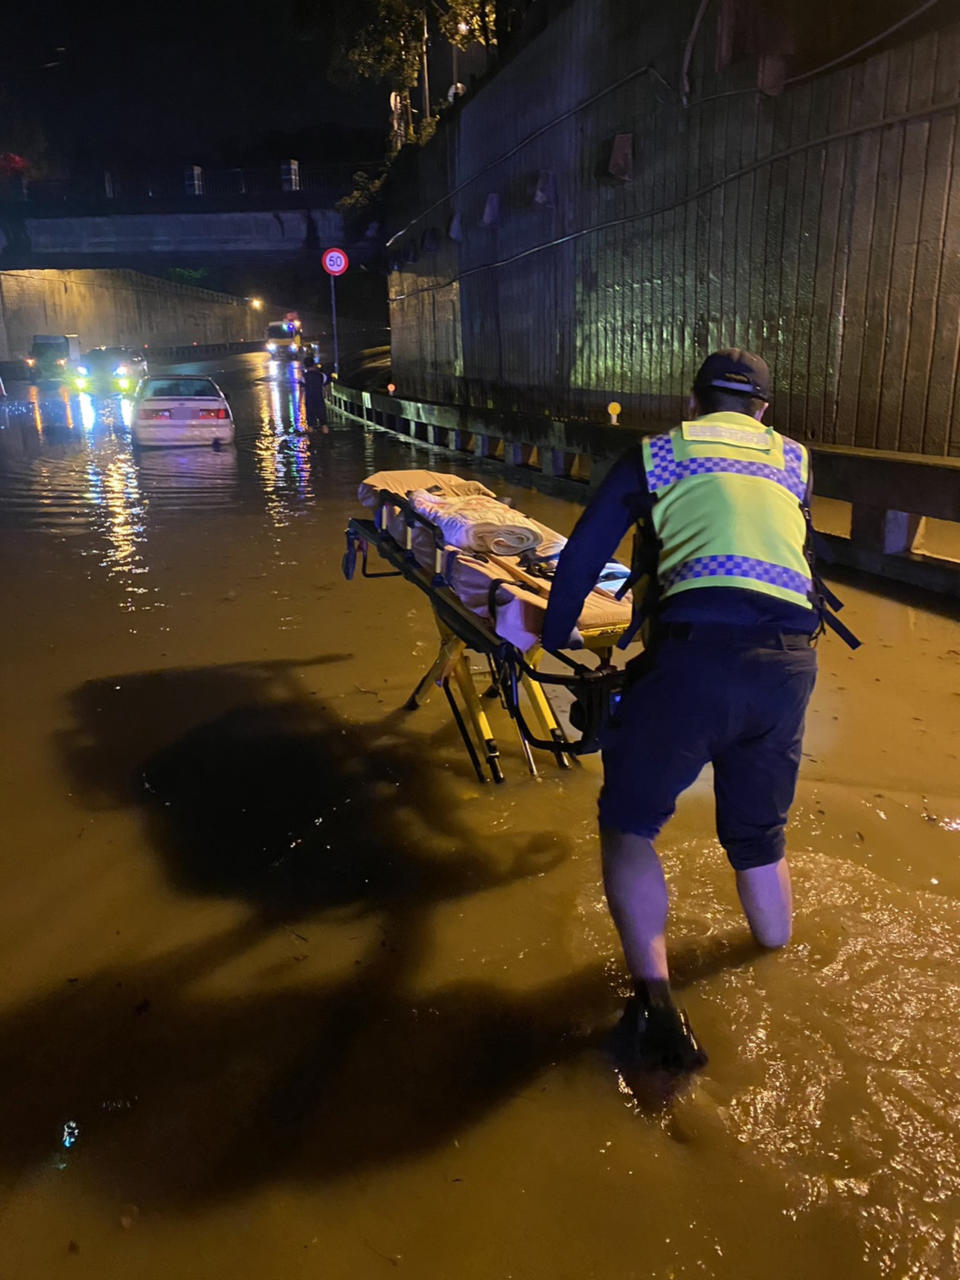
x=132, y=239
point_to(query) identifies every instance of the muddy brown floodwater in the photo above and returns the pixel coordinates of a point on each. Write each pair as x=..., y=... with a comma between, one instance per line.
x=286, y=993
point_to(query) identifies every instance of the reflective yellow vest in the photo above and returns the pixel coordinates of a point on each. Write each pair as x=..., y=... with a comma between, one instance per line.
x=729, y=510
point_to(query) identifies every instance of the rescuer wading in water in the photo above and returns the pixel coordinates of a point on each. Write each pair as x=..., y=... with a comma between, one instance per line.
x=724, y=588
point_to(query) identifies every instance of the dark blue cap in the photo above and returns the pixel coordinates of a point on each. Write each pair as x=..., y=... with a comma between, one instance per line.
x=734, y=369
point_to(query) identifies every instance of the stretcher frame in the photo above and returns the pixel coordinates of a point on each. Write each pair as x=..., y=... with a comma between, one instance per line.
x=511, y=671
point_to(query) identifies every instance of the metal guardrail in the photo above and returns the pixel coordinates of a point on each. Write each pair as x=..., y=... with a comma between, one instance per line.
x=15, y=370
x=890, y=493
x=563, y=450
x=200, y=351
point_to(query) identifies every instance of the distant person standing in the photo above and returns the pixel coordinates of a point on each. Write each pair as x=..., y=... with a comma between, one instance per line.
x=314, y=397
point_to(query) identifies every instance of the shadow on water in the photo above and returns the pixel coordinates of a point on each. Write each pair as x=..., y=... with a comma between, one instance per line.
x=177, y=1099
x=181, y=1096
x=118, y=724
x=252, y=790
x=186, y=1087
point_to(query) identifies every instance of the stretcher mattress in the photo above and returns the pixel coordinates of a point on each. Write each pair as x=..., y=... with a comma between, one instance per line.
x=520, y=604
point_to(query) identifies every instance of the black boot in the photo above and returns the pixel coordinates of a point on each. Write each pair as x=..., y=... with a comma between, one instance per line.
x=657, y=1036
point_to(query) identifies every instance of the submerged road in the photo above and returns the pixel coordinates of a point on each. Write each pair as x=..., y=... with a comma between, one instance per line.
x=286, y=993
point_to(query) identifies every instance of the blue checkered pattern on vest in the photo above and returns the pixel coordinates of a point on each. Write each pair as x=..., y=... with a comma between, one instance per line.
x=668, y=469
x=738, y=567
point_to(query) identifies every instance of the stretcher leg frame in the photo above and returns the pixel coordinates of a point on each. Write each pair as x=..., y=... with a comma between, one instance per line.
x=451, y=650
x=478, y=717
x=542, y=708
x=495, y=690
x=452, y=663
x=464, y=731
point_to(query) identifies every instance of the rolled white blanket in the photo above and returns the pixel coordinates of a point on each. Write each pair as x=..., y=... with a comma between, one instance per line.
x=478, y=523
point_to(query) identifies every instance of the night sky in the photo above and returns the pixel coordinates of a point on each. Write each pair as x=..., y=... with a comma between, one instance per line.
x=205, y=81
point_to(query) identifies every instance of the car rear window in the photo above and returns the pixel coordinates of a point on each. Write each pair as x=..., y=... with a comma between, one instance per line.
x=180, y=389
x=108, y=356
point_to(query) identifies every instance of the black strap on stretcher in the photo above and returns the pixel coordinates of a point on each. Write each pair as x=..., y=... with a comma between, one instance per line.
x=595, y=689
x=825, y=601
x=642, y=580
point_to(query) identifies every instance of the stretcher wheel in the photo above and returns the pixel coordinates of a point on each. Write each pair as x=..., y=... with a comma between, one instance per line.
x=349, y=562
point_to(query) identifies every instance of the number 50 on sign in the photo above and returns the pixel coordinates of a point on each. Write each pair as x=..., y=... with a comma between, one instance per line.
x=335, y=262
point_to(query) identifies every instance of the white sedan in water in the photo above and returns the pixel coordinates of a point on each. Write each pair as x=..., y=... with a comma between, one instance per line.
x=181, y=409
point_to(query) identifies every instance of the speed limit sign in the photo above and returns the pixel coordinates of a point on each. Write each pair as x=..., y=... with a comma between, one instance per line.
x=335, y=262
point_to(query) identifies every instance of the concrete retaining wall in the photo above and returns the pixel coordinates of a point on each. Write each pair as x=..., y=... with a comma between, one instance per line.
x=116, y=308
x=611, y=206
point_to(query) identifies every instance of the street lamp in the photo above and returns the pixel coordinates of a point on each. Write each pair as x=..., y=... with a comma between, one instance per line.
x=456, y=89
x=256, y=303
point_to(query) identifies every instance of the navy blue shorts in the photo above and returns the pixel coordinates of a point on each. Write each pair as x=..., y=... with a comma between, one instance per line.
x=711, y=694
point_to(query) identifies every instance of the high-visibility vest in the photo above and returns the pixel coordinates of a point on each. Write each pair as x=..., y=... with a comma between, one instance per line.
x=730, y=508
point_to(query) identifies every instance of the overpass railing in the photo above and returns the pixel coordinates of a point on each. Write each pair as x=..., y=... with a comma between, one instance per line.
x=891, y=495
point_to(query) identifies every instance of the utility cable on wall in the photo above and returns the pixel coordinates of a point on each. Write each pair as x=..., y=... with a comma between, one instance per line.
x=826, y=66
x=532, y=137
x=683, y=95
x=839, y=136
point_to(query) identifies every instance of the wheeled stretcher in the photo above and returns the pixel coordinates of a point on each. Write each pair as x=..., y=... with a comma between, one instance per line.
x=492, y=605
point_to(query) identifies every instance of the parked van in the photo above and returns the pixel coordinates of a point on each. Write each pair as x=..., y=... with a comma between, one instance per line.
x=52, y=353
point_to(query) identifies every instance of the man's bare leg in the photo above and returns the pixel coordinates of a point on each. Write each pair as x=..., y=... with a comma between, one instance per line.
x=767, y=901
x=657, y=1033
x=637, y=897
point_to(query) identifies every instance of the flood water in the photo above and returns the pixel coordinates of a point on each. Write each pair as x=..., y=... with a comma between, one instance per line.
x=286, y=993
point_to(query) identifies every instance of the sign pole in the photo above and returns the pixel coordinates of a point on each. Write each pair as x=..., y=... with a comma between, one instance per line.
x=333, y=312
x=335, y=263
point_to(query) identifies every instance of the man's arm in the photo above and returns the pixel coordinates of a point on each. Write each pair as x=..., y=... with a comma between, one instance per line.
x=621, y=498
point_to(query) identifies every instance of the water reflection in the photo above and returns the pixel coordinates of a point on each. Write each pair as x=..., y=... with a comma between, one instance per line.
x=188, y=477
x=51, y=413
x=283, y=447
x=88, y=413
x=119, y=515
x=61, y=457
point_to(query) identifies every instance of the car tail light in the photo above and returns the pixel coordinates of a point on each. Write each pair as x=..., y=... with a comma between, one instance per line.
x=221, y=414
